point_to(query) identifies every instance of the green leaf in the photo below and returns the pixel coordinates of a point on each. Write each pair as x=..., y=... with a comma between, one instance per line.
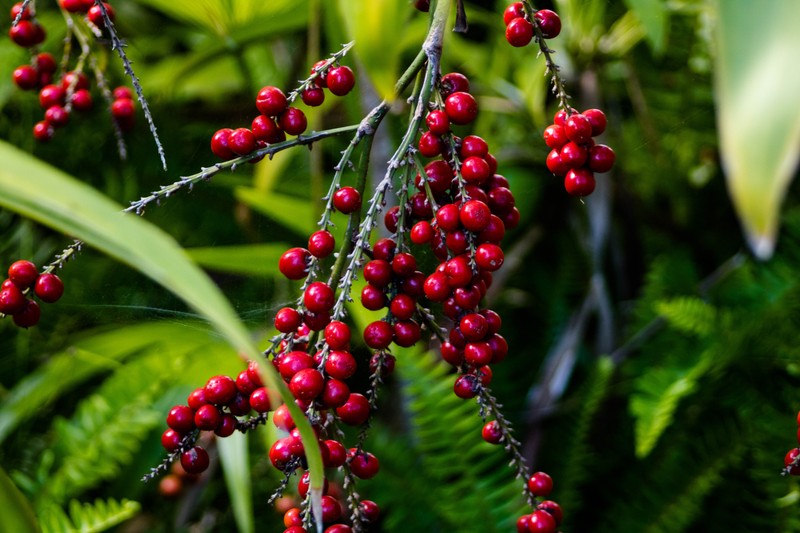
x=756, y=86
x=234, y=457
x=293, y=213
x=43, y=193
x=16, y=512
x=688, y=314
x=653, y=16
x=255, y=259
x=659, y=391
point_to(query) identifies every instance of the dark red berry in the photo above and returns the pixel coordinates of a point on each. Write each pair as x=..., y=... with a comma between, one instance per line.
x=515, y=10
x=28, y=316
x=26, y=33
x=448, y=217
x=541, y=522
x=25, y=77
x=293, y=362
x=579, y=182
x=307, y=384
x=95, y=15
x=219, y=144
x=337, y=454
x=123, y=109
x=51, y=95
x=197, y=398
x=313, y=96
x=43, y=131
x=372, y=297
x=437, y=121
x=519, y=32
x=195, y=460
x=340, y=364
x=578, y=128
x=554, y=509
x=378, y=335
x=171, y=440
x=23, y=273
x=259, y=400
x=475, y=170
x=271, y=101
x=318, y=297
x=421, y=232
x=492, y=433
x=57, y=115
x=489, y=257
x=287, y=320
x=363, y=464
x=555, y=137
x=601, y=158
x=466, y=386
x=370, y=511
x=422, y=5
x=294, y=263
x=81, y=100
x=522, y=523
x=403, y=306
x=76, y=80
x=293, y=121
x=549, y=22
x=181, y=418
x=573, y=155
x=347, y=200
x=406, y=333
x=430, y=144
x=207, y=418
x=461, y=108
x=73, y=6
x=454, y=82
x=340, y=80
x=17, y=8
x=49, y=288
x=555, y=164
x=242, y=141
x=220, y=389
x=337, y=335
x=540, y=484
x=472, y=145
x=597, y=119
x=474, y=215
x=355, y=410
x=436, y=287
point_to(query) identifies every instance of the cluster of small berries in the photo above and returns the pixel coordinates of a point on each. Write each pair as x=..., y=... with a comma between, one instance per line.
x=548, y=514
x=72, y=91
x=278, y=117
x=520, y=27
x=574, y=154
x=27, y=32
x=791, y=460
x=24, y=277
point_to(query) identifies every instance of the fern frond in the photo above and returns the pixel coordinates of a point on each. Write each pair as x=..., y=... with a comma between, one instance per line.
x=688, y=314
x=87, y=517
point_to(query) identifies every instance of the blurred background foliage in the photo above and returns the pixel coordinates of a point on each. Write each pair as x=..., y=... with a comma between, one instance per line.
x=654, y=370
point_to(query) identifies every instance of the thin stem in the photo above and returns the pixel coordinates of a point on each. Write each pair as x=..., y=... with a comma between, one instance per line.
x=559, y=87
x=24, y=6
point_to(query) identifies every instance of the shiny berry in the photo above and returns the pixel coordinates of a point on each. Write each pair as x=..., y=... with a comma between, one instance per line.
x=340, y=80
x=438, y=123
x=555, y=136
x=337, y=335
x=219, y=144
x=11, y=299
x=25, y=77
x=378, y=335
x=337, y=454
x=475, y=170
x=372, y=298
x=579, y=182
x=271, y=101
x=340, y=364
x=293, y=121
x=406, y=333
x=347, y=200
x=454, y=82
x=26, y=33
x=597, y=119
x=573, y=155
x=293, y=362
x=540, y=484
x=541, y=522
x=259, y=400
x=294, y=263
x=23, y=273
x=554, y=509
x=51, y=95
x=220, y=389
x=49, y=288
x=474, y=215
x=28, y=316
x=195, y=460
x=17, y=8
x=555, y=164
x=549, y=22
x=307, y=384
x=363, y=464
x=81, y=100
x=207, y=417
x=461, y=108
x=430, y=144
x=403, y=306
x=492, y=433
x=355, y=411
x=181, y=418
x=242, y=141
x=601, y=158
x=421, y=232
x=57, y=115
x=466, y=386
x=578, y=128
x=95, y=15
x=287, y=320
x=313, y=96
x=73, y=6
x=519, y=32
x=171, y=440
x=515, y=10
x=489, y=257
x=318, y=297
x=123, y=109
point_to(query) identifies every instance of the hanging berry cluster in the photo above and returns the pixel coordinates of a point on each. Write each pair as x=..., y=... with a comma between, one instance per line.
x=574, y=154
x=60, y=95
x=791, y=461
x=24, y=281
x=278, y=117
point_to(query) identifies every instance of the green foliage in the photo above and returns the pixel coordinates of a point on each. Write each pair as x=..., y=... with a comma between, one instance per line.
x=88, y=517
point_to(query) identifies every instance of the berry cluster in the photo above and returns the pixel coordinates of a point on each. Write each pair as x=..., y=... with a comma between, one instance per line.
x=59, y=97
x=548, y=514
x=520, y=27
x=24, y=278
x=574, y=154
x=278, y=117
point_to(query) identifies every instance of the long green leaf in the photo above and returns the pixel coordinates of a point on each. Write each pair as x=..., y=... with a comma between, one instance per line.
x=45, y=194
x=757, y=83
x=255, y=259
x=293, y=213
x=15, y=510
x=236, y=466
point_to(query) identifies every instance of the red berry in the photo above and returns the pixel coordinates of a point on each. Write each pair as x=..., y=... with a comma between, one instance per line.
x=448, y=217
x=76, y=80
x=15, y=10
x=474, y=215
x=430, y=145
x=280, y=453
x=601, y=158
x=181, y=418
x=437, y=122
x=241, y=141
x=57, y=115
x=461, y=108
x=466, y=386
x=123, y=109
x=318, y=297
x=347, y=200
x=287, y=320
x=363, y=464
x=28, y=316
x=519, y=32
x=51, y=95
x=23, y=273
x=313, y=96
x=549, y=22
x=404, y=264
x=207, y=417
x=337, y=455
x=293, y=121
x=25, y=77
x=340, y=364
x=403, y=306
x=522, y=523
x=454, y=82
x=378, y=335
x=355, y=410
x=406, y=333
x=220, y=389
x=307, y=384
x=472, y=145
x=26, y=33
x=369, y=511
x=259, y=400
x=578, y=128
x=540, y=484
x=555, y=164
x=555, y=136
x=422, y=5
x=541, y=522
x=11, y=299
x=597, y=119
x=171, y=440
x=337, y=335
x=73, y=6
x=293, y=362
x=294, y=263
x=384, y=249
x=195, y=460
x=573, y=155
x=579, y=182
x=489, y=257
x=492, y=432
x=49, y=288
x=95, y=15
x=475, y=170
x=271, y=101
x=473, y=326
x=340, y=80
x=439, y=176
x=81, y=100
x=219, y=144
x=458, y=272
x=554, y=509
x=515, y=10
x=422, y=232
x=372, y=298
